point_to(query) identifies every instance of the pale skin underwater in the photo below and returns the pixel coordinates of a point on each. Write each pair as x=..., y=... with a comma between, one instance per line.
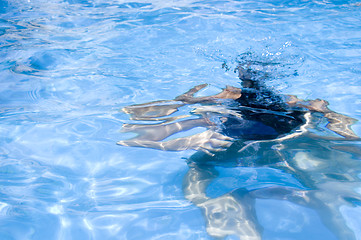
x=326, y=165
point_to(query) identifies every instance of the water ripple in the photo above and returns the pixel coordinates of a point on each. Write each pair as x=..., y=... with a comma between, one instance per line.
x=69, y=66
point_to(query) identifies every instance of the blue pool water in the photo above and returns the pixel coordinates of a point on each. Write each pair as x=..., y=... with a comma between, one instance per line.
x=68, y=67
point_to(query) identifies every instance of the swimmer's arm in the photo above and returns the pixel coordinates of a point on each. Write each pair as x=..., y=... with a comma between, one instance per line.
x=208, y=141
x=317, y=105
x=227, y=93
x=159, y=132
x=153, y=110
x=338, y=123
x=190, y=93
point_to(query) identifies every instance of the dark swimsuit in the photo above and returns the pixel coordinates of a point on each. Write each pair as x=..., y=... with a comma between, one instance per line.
x=265, y=116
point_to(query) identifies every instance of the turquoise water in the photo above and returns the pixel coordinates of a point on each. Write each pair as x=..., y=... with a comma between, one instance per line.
x=68, y=67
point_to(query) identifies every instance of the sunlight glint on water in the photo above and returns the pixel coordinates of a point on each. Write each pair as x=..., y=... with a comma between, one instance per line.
x=68, y=67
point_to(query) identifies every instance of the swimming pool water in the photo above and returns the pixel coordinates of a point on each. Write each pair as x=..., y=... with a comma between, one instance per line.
x=69, y=66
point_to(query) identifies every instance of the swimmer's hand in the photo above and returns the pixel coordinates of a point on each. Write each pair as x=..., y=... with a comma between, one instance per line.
x=208, y=141
x=338, y=123
x=228, y=93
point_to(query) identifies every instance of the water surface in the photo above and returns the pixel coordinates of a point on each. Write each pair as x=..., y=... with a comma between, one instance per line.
x=68, y=67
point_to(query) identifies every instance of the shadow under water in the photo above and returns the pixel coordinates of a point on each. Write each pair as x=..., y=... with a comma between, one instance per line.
x=252, y=127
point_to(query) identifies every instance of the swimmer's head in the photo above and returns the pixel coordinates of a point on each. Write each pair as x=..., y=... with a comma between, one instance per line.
x=248, y=77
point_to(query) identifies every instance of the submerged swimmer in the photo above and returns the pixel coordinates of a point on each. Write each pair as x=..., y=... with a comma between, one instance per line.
x=254, y=126
x=253, y=113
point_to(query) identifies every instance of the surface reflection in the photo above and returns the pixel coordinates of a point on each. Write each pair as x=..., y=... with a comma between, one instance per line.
x=254, y=127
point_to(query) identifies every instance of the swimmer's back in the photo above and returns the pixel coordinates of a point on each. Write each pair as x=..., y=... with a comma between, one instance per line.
x=265, y=114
